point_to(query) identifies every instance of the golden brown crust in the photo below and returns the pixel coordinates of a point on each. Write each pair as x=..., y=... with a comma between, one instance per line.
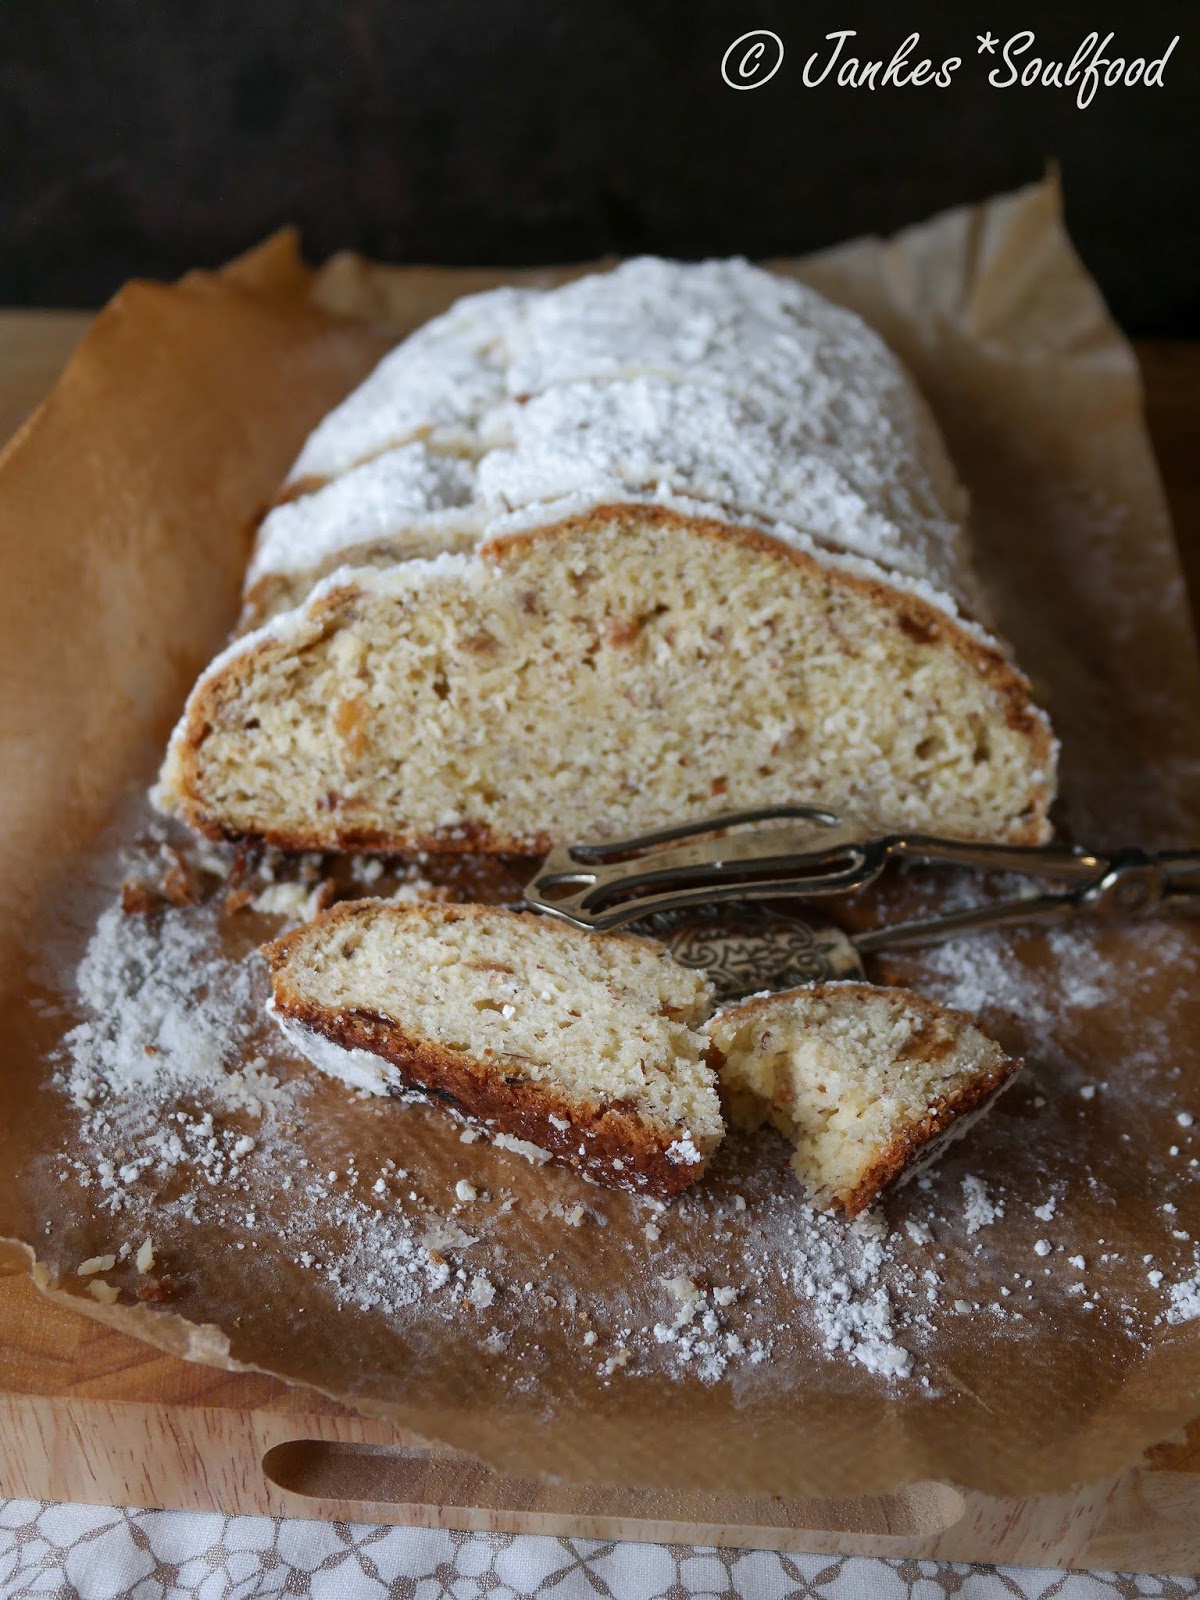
x=911, y=612
x=465, y=839
x=298, y=488
x=609, y=1143
x=893, y=1160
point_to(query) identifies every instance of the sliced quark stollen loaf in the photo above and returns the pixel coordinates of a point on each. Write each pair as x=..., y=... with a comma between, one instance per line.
x=587, y=1047
x=627, y=669
x=869, y=1084
x=700, y=547
x=717, y=382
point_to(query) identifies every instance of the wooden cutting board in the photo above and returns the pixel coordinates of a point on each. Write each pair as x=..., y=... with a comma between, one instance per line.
x=89, y=1414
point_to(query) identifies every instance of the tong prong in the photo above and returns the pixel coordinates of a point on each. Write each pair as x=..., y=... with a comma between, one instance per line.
x=1181, y=875
x=615, y=880
x=986, y=918
x=620, y=892
x=1069, y=863
x=577, y=909
x=606, y=849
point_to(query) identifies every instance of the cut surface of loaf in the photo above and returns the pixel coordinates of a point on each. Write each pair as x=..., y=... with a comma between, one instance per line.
x=869, y=1084
x=587, y=1047
x=623, y=670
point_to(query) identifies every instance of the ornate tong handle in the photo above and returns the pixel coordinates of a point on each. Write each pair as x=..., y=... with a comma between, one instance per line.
x=801, y=851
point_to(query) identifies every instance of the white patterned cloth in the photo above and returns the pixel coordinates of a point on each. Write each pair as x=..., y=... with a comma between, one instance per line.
x=101, y=1553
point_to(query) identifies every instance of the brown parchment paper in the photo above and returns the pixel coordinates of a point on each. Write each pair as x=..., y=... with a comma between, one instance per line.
x=125, y=509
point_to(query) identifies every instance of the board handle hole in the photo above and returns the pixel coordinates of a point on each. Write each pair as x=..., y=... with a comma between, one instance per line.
x=444, y=1482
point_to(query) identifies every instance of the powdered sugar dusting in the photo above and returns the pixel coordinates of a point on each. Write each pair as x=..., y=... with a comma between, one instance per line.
x=839, y=1272
x=979, y=1210
x=1185, y=1299
x=801, y=467
x=985, y=974
x=436, y=387
x=410, y=490
x=194, y=1120
x=167, y=1078
x=716, y=382
x=163, y=1022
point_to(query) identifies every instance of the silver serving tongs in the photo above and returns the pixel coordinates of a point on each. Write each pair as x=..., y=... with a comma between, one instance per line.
x=801, y=852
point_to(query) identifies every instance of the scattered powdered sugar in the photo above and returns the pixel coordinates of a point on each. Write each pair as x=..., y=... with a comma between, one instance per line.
x=979, y=1211
x=164, y=1071
x=166, y=1077
x=525, y=1148
x=981, y=973
x=168, y=1018
x=696, y=1338
x=374, y=1266
x=1185, y=1298
x=192, y=1113
x=481, y=1292
x=838, y=1272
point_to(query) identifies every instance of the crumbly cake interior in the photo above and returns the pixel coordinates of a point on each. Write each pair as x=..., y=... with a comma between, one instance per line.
x=600, y=1020
x=615, y=674
x=851, y=1075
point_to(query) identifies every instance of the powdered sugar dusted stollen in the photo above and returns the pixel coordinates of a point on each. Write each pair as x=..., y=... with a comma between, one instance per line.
x=743, y=456
x=868, y=1084
x=721, y=563
x=756, y=335
x=585, y=1047
x=436, y=386
x=715, y=383
x=410, y=501
x=628, y=669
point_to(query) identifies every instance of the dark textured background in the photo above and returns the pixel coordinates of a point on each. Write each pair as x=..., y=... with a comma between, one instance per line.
x=150, y=137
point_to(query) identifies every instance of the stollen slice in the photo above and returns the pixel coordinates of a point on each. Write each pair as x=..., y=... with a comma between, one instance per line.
x=583, y=1049
x=628, y=669
x=870, y=1084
